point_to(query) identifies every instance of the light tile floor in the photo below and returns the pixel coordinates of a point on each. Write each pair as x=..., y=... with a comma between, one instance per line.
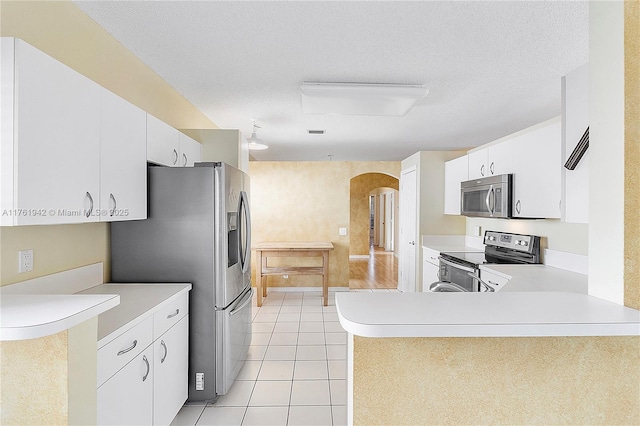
x=296, y=370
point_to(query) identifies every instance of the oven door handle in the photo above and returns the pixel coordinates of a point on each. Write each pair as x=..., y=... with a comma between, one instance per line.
x=441, y=287
x=487, y=287
x=456, y=265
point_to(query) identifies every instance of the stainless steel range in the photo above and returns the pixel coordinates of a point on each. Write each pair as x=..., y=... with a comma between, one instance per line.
x=461, y=271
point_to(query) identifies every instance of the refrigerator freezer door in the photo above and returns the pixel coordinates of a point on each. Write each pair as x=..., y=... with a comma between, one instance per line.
x=234, y=329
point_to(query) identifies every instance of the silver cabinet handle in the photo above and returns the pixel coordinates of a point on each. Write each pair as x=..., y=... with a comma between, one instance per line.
x=165, y=351
x=173, y=314
x=413, y=243
x=175, y=157
x=112, y=198
x=491, y=282
x=518, y=206
x=124, y=351
x=491, y=167
x=433, y=258
x=184, y=159
x=146, y=361
x=482, y=170
x=88, y=195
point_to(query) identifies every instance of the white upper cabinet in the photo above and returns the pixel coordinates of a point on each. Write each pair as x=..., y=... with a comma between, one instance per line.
x=500, y=159
x=478, y=163
x=162, y=143
x=537, y=170
x=455, y=172
x=50, y=139
x=492, y=160
x=190, y=151
x=123, y=159
x=575, y=115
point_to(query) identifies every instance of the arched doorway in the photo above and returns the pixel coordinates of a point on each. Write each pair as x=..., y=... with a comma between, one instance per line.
x=373, y=209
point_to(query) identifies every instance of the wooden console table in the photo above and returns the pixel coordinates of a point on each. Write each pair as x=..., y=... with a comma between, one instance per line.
x=292, y=249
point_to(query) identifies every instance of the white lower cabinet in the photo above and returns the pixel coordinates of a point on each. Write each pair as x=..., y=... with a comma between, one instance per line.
x=143, y=372
x=430, y=267
x=127, y=397
x=170, y=365
x=494, y=280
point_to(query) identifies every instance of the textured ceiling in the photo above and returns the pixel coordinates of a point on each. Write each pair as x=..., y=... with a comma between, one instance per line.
x=492, y=68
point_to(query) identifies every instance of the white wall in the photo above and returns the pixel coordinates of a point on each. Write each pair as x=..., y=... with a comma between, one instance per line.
x=606, y=143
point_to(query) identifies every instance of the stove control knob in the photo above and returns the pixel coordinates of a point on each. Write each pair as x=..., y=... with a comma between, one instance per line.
x=492, y=238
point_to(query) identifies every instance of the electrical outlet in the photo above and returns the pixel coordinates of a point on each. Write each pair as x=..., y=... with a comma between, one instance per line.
x=342, y=231
x=25, y=261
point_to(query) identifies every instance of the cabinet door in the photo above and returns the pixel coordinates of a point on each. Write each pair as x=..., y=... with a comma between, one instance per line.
x=500, y=158
x=190, y=151
x=430, y=274
x=162, y=142
x=123, y=159
x=56, y=140
x=170, y=373
x=455, y=171
x=127, y=398
x=537, y=173
x=478, y=164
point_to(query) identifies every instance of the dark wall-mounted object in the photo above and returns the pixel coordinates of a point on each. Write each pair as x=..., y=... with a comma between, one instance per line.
x=578, y=151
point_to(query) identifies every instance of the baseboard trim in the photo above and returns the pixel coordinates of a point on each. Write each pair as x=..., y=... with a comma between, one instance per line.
x=318, y=289
x=358, y=256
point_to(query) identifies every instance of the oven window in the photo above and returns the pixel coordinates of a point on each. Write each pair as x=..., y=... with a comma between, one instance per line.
x=457, y=276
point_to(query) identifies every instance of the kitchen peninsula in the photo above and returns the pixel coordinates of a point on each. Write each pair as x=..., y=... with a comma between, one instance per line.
x=490, y=358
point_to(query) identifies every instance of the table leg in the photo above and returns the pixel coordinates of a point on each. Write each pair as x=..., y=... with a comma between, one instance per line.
x=325, y=277
x=259, y=278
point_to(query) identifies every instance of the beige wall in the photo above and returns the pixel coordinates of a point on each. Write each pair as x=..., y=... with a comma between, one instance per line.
x=491, y=381
x=307, y=201
x=632, y=155
x=360, y=189
x=63, y=31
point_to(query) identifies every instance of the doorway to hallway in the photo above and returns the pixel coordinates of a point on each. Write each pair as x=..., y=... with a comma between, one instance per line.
x=379, y=271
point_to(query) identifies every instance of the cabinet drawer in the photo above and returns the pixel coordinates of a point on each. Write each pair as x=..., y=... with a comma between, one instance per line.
x=169, y=315
x=115, y=354
x=430, y=255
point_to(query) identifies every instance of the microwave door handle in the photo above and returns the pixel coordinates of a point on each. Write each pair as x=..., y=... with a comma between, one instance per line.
x=487, y=200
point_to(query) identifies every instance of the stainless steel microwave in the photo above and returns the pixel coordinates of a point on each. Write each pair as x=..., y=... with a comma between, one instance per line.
x=487, y=197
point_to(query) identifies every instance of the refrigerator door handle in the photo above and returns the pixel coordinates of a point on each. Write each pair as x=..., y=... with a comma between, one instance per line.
x=243, y=304
x=244, y=210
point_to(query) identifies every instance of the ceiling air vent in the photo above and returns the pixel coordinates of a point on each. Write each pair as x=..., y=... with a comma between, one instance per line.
x=316, y=132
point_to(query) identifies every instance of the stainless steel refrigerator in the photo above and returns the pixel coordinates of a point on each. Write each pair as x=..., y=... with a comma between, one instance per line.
x=198, y=230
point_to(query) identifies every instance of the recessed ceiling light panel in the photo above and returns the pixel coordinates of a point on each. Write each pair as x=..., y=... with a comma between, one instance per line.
x=360, y=99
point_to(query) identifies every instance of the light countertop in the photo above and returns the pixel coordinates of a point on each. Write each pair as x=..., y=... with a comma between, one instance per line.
x=538, y=278
x=137, y=302
x=29, y=316
x=501, y=314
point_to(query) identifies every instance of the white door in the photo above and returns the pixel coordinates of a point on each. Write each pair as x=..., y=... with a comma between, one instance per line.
x=388, y=222
x=408, y=226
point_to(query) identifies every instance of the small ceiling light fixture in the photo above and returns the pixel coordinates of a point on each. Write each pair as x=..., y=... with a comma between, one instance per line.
x=256, y=144
x=360, y=98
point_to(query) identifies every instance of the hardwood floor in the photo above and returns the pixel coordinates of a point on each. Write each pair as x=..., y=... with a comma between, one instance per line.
x=380, y=271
